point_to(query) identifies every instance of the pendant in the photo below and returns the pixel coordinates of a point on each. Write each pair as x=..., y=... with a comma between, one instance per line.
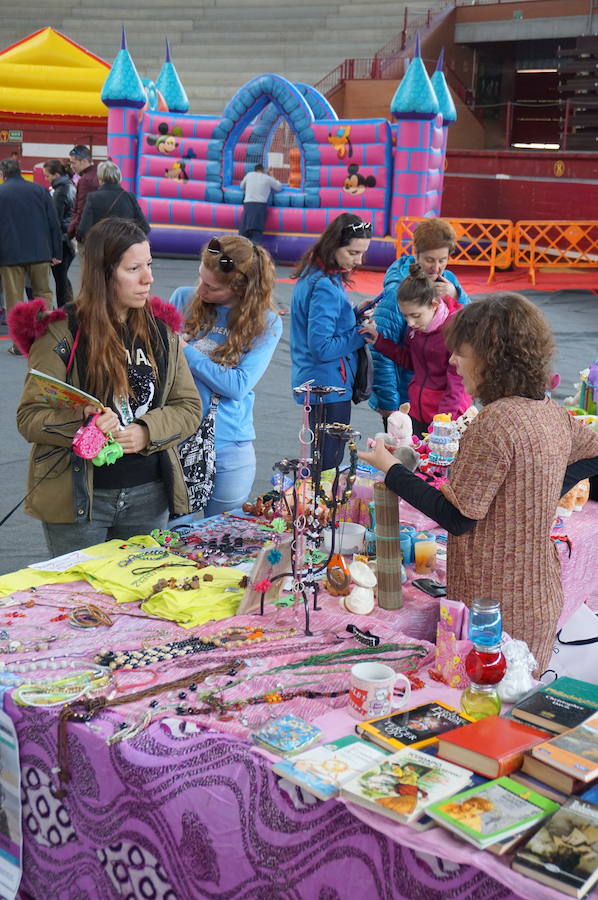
x=338, y=576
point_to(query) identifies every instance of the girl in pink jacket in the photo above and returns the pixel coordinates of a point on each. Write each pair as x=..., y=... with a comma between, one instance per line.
x=436, y=387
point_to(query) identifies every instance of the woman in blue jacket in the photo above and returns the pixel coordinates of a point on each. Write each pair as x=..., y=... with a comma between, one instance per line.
x=433, y=242
x=231, y=332
x=324, y=331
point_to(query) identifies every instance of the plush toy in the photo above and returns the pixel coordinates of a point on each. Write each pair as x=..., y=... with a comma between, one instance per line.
x=399, y=437
x=586, y=397
x=575, y=499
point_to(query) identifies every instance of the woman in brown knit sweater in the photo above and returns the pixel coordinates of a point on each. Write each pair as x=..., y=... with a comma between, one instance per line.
x=500, y=501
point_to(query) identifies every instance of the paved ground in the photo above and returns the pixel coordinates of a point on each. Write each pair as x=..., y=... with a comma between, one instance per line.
x=277, y=417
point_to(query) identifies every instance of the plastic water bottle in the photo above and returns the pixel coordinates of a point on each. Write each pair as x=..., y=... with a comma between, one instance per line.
x=485, y=623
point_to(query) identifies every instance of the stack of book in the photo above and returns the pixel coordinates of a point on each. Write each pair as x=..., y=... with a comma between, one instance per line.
x=527, y=784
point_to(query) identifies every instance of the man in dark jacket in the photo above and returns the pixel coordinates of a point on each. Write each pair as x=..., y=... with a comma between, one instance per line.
x=63, y=197
x=82, y=164
x=30, y=237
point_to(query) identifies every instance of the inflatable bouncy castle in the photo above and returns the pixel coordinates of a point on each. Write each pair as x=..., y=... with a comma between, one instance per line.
x=186, y=169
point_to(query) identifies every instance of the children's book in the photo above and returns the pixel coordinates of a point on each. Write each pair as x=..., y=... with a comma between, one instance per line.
x=558, y=706
x=563, y=854
x=415, y=727
x=574, y=752
x=493, y=746
x=322, y=770
x=403, y=785
x=286, y=735
x=493, y=812
x=59, y=394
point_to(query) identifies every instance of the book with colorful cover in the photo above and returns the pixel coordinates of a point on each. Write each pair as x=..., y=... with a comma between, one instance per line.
x=493, y=746
x=323, y=770
x=563, y=853
x=416, y=727
x=551, y=776
x=574, y=752
x=286, y=735
x=558, y=706
x=493, y=812
x=59, y=394
x=403, y=785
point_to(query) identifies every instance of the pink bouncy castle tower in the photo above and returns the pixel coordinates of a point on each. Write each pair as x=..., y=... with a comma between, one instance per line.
x=423, y=109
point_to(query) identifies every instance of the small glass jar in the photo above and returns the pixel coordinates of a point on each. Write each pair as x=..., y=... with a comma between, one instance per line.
x=480, y=701
x=485, y=623
x=485, y=665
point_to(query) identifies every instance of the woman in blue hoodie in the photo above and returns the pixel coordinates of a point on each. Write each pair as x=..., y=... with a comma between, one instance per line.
x=324, y=331
x=231, y=332
x=433, y=241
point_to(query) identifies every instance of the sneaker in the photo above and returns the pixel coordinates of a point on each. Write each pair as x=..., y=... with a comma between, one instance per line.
x=14, y=350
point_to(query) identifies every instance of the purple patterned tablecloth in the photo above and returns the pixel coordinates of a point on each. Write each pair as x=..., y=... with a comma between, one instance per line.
x=177, y=819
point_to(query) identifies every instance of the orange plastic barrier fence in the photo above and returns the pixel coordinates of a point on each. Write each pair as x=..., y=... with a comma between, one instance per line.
x=556, y=245
x=480, y=242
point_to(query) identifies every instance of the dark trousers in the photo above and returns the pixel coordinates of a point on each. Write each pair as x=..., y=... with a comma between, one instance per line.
x=64, y=288
x=253, y=221
x=333, y=449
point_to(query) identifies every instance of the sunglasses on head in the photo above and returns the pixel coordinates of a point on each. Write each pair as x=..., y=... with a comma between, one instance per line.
x=225, y=262
x=364, y=227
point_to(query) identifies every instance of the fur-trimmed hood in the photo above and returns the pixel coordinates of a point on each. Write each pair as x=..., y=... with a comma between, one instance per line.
x=27, y=322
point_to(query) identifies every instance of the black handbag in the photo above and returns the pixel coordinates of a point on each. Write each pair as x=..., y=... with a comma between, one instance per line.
x=198, y=459
x=363, y=383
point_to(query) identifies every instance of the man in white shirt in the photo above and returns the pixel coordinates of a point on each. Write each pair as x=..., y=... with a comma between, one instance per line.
x=257, y=186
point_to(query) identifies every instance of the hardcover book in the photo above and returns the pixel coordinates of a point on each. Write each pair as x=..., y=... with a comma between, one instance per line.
x=560, y=781
x=492, y=746
x=534, y=784
x=563, y=854
x=59, y=394
x=286, y=735
x=322, y=770
x=559, y=706
x=493, y=812
x=403, y=785
x=574, y=752
x=415, y=727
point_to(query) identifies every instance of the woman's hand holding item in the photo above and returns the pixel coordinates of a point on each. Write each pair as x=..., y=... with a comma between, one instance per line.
x=133, y=438
x=444, y=288
x=183, y=342
x=107, y=421
x=369, y=330
x=379, y=457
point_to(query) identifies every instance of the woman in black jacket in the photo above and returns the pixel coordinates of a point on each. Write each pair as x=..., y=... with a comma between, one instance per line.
x=110, y=201
x=63, y=195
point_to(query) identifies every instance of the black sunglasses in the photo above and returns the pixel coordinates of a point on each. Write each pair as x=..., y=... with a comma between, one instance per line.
x=225, y=262
x=365, y=227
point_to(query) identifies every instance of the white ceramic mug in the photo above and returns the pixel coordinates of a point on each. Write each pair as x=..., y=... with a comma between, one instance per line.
x=371, y=692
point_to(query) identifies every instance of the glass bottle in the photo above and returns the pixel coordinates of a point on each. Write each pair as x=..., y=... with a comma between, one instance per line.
x=485, y=623
x=485, y=663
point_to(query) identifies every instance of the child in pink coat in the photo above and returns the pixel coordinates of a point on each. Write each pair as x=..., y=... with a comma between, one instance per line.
x=436, y=387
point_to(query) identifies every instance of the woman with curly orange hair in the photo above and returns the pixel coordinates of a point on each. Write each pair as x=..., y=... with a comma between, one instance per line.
x=231, y=332
x=518, y=457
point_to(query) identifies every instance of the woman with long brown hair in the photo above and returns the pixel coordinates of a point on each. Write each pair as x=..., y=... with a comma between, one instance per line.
x=517, y=458
x=114, y=343
x=231, y=332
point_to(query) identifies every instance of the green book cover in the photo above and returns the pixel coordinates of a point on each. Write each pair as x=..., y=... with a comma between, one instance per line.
x=560, y=705
x=493, y=812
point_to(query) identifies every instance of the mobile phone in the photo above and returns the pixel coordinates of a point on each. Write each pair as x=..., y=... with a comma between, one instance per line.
x=360, y=313
x=429, y=586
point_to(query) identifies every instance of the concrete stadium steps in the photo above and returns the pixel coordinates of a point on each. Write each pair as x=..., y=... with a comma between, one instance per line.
x=217, y=45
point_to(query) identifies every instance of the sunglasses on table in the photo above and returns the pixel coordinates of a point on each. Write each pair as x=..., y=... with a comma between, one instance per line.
x=364, y=228
x=225, y=262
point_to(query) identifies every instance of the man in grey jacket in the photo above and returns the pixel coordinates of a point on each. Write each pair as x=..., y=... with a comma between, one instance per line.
x=30, y=237
x=257, y=186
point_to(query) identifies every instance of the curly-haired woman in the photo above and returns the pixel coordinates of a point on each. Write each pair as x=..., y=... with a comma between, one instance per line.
x=231, y=332
x=521, y=453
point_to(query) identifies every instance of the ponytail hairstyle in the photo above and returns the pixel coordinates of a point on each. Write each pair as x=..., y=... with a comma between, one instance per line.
x=339, y=233
x=101, y=330
x=248, y=271
x=417, y=287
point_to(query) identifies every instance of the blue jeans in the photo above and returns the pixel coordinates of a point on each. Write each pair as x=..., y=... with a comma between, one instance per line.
x=235, y=472
x=117, y=513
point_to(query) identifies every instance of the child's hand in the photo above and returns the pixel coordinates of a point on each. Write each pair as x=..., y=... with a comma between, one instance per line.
x=444, y=288
x=369, y=331
x=379, y=457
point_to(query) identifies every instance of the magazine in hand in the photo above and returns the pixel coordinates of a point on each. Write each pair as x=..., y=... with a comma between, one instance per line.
x=61, y=395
